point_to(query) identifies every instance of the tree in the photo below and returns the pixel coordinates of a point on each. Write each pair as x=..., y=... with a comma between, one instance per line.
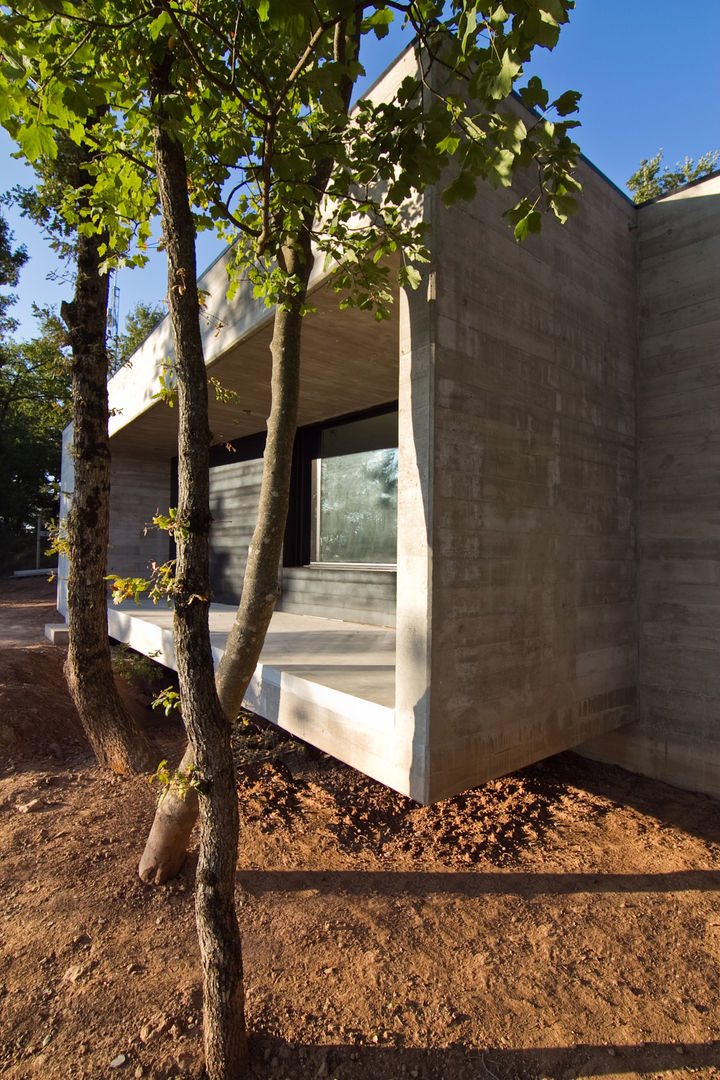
x=287, y=127
x=34, y=409
x=118, y=742
x=648, y=182
x=32, y=399
x=59, y=204
x=263, y=91
x=11, y=263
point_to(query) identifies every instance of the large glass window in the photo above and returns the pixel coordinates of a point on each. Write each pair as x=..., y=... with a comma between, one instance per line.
x=354, y=493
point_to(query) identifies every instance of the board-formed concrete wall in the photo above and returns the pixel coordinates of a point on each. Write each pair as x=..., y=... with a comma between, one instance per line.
x=234, y=497
x=139, y=489
x=353, y=594
x=533, y=548
x=677, y=735
x=357, y=595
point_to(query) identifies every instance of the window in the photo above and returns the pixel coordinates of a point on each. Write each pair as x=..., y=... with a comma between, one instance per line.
x=349, y=514
x=354, y=493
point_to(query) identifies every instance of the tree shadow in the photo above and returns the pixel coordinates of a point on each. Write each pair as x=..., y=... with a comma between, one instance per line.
x=399, y=883
x=272, y=1057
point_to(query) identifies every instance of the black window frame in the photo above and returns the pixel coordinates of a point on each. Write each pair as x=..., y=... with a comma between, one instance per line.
x=297, y=550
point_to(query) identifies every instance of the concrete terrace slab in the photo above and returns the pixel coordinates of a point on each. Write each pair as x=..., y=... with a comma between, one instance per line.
x=320, y=678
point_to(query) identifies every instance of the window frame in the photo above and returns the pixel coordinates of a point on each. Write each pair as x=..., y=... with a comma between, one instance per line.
x=297, y=549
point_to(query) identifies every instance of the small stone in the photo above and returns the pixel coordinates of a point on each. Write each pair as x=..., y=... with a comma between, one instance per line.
x=139, y=1072
x=679, y=1049
x=161, y=1023
x=29, y=807
x=145, y=1034
x=118, y=1062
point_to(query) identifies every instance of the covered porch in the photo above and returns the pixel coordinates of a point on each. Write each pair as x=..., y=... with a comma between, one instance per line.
x=327, y=681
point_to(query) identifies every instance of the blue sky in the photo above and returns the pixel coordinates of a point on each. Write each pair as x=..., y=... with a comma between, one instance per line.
x=648, y=71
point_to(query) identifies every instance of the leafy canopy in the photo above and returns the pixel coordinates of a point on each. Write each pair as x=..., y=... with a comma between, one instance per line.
x=649, y=182
x=257, y=99
x=12, y=259
x=34, y=409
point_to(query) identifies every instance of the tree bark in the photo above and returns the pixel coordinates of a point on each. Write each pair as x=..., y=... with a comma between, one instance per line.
x=226, y=1050
x=172, y=827
x=166, y=847
x=117, y=740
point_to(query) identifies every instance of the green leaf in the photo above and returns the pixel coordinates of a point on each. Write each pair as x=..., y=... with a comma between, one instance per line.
x=409, y=276
x=37, y=141
x=563, y=206
x=159, y=25
x=531, y=223
x=534, y=95
x=567, y=102
x=380, y=22
x=448, y=145
x=503, y=81
x=462, y=187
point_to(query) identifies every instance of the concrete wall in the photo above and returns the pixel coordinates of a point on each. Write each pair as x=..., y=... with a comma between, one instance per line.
x=234, y=497
x=67, y=486
x=329, y=592
x=533, y=448
x=139, y=489
x=355, y=595
x=677, y=735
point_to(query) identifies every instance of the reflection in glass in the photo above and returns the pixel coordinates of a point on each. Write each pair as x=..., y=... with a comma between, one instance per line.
x=355, y=507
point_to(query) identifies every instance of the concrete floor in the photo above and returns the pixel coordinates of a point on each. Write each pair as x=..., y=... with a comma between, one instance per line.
x=341, y=667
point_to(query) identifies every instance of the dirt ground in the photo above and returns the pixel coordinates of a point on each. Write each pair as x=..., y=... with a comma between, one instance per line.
x=560, y=923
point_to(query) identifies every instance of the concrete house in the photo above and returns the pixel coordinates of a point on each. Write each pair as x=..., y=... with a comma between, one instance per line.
x=504, y=538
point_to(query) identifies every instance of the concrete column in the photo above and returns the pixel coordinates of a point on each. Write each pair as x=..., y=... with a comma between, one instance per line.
x=415, y=527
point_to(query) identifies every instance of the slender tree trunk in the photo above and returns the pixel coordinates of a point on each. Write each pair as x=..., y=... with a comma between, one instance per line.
x=260, y=584
x=175, y=817
x=174, y=820
x=166, y=846
x=116, y=739
x=226, y=1051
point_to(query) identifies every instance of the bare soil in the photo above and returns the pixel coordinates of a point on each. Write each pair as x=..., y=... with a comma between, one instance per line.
x=563, y=922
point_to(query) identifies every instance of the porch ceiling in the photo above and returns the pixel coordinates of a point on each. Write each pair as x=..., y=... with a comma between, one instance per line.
x=349, y=362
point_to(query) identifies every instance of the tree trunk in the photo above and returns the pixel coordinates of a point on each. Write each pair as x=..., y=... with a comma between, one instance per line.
x=116, y=739
x=226, y=1051
x=171, y=829
x=166, y=846
x=176, y=814
x=260, y=584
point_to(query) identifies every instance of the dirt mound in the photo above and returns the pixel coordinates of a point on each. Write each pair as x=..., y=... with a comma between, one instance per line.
x=37, y=714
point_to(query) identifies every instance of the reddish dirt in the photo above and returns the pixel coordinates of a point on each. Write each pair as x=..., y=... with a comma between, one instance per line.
x=563, y=922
